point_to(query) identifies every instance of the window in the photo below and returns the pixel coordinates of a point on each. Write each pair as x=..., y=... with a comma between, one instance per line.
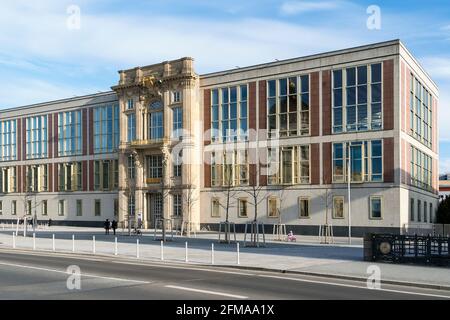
x=154, y=169
x=178, y=165
x=1, y=207
x=177, y=205
x=131, y=205
x=116, y=207
x=69, y=133
x=130, y=104
x=338, y=207
x=419, y=211
x=131, y=167
x=421, y=106
x=215, y=208
x=36, y=178
x=8, y=180
x=432, y=218
x=79, y=208
x=411, y=209
x=366, y=161
x=229, y=113
x=304, y=207
x=353, y=108
x=376, y=207
x=156, y=131
x=106, y=128
x=13, y=207
x=289, y=165
x=97, y=208
x=273, y=207
x=288, y=106
x=229, y=168
x=29, y=207
x=44, y=208
x=131, y=127
x=425, y=213
x=177, y=114
x=176, y=97
x=8, y=148
x=106, y=175
x=61, y=207
x=421, y=169
x=216, y=173
x=36, y=137
x=243, y=206
x=70, y=176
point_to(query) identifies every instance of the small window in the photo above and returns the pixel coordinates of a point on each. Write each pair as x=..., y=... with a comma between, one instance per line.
x=411, y=209
x=304, y=206
x=376, y=207
x=29, y=207
x=425, y=213
x=272, y=210
x=97, y=208
x=116, y=207
x=130, y=104
x=176, y=96
x=61, y=207
x=419, y=213
x=13, y=207
x=177, y=205
x=432, y=218
x=243, y=206
x=44, y=210
x=338, y=207
x=215, y=208
x=79, y=208
x=1, y=208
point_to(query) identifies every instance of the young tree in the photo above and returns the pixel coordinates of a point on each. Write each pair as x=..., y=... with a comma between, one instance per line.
x=190, y=198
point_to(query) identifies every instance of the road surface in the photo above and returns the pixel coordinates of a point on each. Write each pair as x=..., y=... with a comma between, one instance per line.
x=33, y=275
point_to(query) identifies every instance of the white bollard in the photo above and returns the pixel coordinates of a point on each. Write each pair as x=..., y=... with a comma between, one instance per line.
x=212, y=253
x=14, y=240
x=137, y=248
x=34, y=241
x=115, y=246
x=186, y=258
x=162, y=251
x=238, y=258
x=93, y=244
x=53, y=242
x=73, y=243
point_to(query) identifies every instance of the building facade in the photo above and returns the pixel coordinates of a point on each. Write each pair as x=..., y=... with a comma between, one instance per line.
x=285, y=137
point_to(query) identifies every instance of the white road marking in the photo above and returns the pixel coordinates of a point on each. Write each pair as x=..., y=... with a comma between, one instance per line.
x=64, y=272
x=207, y=292
x=355, y=286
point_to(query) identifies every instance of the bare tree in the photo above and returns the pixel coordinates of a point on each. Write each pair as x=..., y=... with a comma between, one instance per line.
x=190, y=198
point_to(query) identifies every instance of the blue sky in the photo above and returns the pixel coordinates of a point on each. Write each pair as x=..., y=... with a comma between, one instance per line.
x=41, y=59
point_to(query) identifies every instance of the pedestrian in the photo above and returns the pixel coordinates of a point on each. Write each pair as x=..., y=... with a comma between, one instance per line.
x=114, y=226
x=107, y=226
x=49, y=222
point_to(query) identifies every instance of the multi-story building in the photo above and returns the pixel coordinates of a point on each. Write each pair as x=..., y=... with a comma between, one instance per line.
x=201, y=149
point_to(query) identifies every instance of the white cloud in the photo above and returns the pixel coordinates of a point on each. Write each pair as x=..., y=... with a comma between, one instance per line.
x=296, y=7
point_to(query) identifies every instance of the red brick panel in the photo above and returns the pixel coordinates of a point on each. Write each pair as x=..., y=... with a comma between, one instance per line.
x=262, y=110
x=19, y=139
x=327, y=163
x=50, y=135
x=315, y=101
x=91, y=130
x=388, y=159
x=326, y=102
x=85, y=175
x=91, y=175
x=207, y=169
x=388, y=94
x=84, y=125
x=253, y=172
x=263, y=167
x=55, y=177
x=315, y=163
x=252, y=105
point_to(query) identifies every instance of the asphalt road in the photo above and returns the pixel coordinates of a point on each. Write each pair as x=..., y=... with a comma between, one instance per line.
x=27, y=275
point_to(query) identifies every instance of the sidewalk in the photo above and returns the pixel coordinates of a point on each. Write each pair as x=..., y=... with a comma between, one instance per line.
x=305, y=256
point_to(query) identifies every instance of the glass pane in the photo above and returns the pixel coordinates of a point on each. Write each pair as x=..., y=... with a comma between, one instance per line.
x=233, y=94
x=272, y=88
x=362, y=75
x=376, y=72
x=362, y=94
x=351, y=77
x=292, y=103
x=338, y=98
x=376, y=93
x=356, y=166
x=337, y=79
x=243, y=93
x=376, y=208
x=272, y=106
x=351, y=96
x=305, y=102
x=283, y=104
x=292, y=85
x=305, y=83
x=283, y=87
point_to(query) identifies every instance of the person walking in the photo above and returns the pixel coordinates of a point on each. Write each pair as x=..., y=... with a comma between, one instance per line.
x=114, y=226
x=107, y=226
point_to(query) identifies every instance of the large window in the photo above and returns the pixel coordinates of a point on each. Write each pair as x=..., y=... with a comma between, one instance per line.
x=288, y=107
x=70, y=176
x=69, y=133
x=421, y=169
x=106, y=174
x=131, y=167
x=421, y=102
x=304, y=207
x=366, y=161
x=177, y=205
x=131, y=127
x=229, y=113
x=8, y=180
x=177, y=114
x=8, y=147
x=155, y=168
x=229, y=168
x=156, y=124
x=106, y=128
x=36, y=137
x=357, y=98
x=289, y=165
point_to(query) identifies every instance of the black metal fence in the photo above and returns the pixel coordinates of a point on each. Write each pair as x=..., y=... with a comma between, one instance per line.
x=433, y=250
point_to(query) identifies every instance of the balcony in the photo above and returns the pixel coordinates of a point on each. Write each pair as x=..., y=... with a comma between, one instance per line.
x=153, y=180
x=145, y=144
